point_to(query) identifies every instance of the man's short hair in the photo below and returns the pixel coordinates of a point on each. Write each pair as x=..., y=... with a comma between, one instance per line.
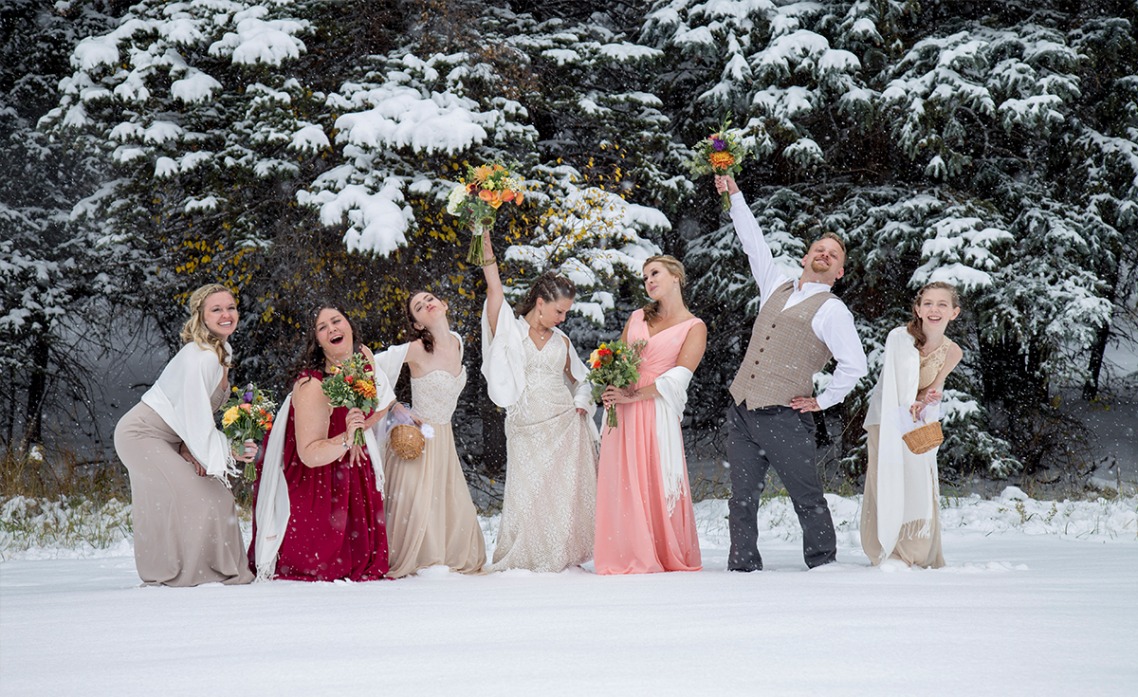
x=834, y=237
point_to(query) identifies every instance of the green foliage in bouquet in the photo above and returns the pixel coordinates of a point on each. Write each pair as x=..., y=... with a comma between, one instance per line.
x=352, y=386
x=614, y=363
x=248, y=415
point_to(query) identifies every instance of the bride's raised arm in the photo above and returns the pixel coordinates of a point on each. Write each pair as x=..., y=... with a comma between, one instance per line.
x=494, y=294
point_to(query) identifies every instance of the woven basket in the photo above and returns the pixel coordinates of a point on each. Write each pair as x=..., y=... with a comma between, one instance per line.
x=923, y=439
x=407, y=441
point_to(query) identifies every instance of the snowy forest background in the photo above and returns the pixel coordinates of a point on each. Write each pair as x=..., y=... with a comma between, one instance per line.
x=303, y=149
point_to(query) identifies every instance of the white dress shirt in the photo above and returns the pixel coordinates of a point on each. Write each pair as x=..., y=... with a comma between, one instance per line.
x=833, y=324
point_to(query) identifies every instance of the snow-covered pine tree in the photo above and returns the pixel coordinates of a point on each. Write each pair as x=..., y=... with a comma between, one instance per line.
x=945, y=140
x=993, y=105
x=53, y=277
x=552, y=98
x=781, y=71
x=212, y=116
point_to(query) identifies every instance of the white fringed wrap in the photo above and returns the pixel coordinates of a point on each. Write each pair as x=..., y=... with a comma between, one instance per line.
x=673, y=388
x=181, y=396
x=906, y=482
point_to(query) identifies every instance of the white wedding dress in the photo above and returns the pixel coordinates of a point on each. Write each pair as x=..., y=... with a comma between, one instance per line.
x=551, y=471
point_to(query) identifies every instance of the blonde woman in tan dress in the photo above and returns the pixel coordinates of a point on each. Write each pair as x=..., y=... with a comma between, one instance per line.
x=185, y=521
x=900, y=511
x=431, y=519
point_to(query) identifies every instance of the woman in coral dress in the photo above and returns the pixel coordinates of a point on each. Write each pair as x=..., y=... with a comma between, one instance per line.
x=645, y=520
x=318, y=505
x=431, y=520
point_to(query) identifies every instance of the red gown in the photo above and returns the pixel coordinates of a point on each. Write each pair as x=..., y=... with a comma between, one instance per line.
x=336, y=527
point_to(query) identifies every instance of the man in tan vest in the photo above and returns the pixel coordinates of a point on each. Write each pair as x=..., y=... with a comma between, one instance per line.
x=800, y=325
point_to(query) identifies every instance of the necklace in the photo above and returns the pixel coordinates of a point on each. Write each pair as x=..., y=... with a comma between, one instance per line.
x=542, y=334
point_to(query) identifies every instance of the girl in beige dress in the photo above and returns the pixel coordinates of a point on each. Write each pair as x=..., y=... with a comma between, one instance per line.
x=184, y=517
x=900, y=511
x=431, y=519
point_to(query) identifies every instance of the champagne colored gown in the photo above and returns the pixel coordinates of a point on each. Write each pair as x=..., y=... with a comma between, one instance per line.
x=431, y=518
x=186, y=530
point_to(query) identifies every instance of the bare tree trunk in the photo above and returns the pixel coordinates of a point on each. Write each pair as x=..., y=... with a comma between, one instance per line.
x=37, y=389
x=1090, y=388
x=9, y=407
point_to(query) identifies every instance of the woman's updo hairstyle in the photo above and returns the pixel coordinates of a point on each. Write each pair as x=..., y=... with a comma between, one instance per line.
x=550, y=287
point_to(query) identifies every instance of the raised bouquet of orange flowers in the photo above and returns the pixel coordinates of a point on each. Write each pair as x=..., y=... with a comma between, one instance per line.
x=476, y=200
x=720, y=153
x=352, y=385
x=614, y=363
x=248, y=415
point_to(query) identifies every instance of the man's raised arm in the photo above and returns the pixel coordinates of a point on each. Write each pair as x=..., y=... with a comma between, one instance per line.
x=763, y=268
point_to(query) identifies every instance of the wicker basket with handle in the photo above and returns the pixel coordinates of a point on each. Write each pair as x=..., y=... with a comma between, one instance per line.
x=924, y=438
x=407, y=441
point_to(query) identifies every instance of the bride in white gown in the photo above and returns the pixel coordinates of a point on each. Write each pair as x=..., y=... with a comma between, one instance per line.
x=533, y=371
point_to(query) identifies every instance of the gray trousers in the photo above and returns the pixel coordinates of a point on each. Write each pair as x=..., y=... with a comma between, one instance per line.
x=778, y=437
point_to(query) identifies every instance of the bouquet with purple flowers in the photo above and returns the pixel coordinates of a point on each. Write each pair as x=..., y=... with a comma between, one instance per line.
x=720, y=153
x=247, y=416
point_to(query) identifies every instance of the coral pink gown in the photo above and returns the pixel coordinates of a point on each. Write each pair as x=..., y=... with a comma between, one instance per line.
x=336, y=526
x=635, y=531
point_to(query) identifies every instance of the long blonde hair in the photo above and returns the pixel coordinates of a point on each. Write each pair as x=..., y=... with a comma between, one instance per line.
x=195, y=330
x=916, y=327
x=673, y=266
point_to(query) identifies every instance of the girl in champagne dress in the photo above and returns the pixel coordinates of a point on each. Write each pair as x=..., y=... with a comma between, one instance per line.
x=532, y=371
x=183, y=513
x=645, y=520
x=900, y=511
x=431, y=520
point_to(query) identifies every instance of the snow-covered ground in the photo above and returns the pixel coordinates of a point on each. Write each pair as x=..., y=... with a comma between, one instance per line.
x=1039, y=598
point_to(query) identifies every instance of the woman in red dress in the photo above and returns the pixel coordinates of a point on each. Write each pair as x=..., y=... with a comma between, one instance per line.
x=333, y=525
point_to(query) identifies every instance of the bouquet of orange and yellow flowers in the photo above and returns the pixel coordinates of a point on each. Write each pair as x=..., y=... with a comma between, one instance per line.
x=720, y=153
x=248, y=416
x=477, y=198
x=352, y=385
x=614, y=363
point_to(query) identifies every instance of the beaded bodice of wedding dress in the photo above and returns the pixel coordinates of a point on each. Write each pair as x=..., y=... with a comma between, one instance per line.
x=435, y=395
x=546, y=393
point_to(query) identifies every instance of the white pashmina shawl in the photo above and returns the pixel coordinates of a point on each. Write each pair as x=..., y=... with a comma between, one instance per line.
x=673, y=388
x=181, y=396
x=906, y=481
